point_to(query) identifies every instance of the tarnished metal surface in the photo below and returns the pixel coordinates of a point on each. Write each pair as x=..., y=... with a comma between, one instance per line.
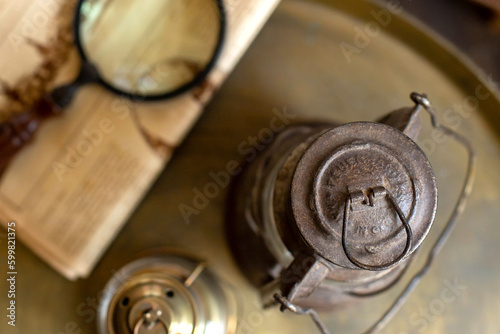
x=296, y=62
x=357, y=157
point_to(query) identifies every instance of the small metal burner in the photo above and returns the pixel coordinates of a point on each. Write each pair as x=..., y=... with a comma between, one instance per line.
x=166, y=294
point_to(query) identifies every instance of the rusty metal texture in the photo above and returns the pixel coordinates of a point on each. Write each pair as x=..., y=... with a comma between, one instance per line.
x=351, y=160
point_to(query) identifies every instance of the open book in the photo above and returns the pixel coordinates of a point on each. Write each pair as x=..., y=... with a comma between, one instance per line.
x=72, y=189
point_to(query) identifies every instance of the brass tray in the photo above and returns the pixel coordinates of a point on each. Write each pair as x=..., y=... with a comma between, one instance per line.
x=297, y=63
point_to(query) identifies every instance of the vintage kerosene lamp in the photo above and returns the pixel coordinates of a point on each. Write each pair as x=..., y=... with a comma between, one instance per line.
x=329, y=214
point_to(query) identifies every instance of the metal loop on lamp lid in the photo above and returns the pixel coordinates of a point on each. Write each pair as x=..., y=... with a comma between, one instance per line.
x=376, y=194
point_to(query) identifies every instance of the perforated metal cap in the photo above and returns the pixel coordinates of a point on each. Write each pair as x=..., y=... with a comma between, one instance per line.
x=383, y=179
x=166, y=294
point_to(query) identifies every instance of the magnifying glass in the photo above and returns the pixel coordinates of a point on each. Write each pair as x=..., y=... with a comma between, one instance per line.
x=141, y=49
x=146, y=49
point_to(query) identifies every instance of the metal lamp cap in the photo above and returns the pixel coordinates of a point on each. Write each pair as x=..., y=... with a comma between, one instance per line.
x=363, y=196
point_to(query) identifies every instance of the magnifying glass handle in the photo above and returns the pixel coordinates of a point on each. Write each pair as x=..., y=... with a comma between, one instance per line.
x=19, y=130
x=63, y=95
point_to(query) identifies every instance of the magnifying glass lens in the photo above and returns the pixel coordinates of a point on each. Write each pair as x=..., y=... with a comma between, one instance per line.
x=150, y=47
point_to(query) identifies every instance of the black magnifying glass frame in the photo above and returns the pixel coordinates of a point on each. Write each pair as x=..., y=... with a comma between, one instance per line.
x=95, y=77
